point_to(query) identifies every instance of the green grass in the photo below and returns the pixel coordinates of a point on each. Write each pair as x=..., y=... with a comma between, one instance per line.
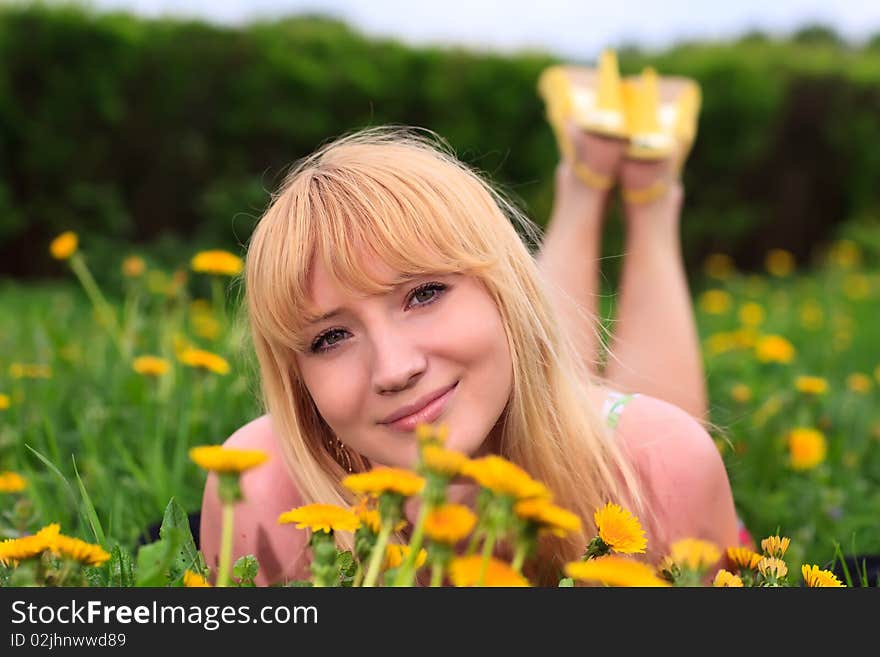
x=104, y=448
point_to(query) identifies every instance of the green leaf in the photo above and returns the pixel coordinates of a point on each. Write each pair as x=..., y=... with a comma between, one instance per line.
x=54, y=470
x=566, y=582
x=299, y=583
x=90, y=512
x=245, y=570
x=155, y=561
x=119, y=568
x=187, y=556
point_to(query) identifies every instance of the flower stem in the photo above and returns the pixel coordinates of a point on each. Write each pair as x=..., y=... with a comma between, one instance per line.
x=488, y=546
x=218, y=298
x=475, y=540
x=378, y=554
x=105, y=312
x=437, y=574
x=226, y=545
x=358, y=576
x=408, y=569
x=519, y=556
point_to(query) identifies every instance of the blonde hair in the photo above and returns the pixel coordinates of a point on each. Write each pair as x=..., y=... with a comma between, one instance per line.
x=404, y=196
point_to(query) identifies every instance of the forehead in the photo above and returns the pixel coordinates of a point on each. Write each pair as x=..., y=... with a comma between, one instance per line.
x=325, y=291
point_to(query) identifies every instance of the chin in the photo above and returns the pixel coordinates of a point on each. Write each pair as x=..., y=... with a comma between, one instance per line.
x=464, y=443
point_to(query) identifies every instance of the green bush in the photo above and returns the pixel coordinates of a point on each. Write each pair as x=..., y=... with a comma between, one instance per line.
x=134, y=130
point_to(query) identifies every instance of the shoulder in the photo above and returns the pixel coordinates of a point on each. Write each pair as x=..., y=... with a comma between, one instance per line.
x=268, y=491
x=684, y=480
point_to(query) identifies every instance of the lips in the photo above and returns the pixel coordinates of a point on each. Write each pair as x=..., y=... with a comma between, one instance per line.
x=425, y=409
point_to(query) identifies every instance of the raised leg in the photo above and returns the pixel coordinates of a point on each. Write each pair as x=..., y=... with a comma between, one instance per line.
x=655, y=348
x=569, y=255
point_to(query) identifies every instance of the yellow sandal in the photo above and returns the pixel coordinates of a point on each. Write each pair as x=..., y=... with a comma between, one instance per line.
x=593, y=100
x=661, y=118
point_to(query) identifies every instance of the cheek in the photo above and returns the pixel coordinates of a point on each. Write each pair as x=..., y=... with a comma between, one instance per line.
x=336, y=396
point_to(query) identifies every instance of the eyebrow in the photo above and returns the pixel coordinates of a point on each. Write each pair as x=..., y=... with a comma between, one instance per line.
x=402, y=280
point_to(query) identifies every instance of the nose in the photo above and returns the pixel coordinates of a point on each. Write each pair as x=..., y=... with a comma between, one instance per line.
x=398, y=363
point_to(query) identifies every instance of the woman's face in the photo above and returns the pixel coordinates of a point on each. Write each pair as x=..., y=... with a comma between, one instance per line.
x=381, y=354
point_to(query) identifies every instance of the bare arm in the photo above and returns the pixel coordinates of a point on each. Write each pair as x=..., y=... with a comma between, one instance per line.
x=280, y=550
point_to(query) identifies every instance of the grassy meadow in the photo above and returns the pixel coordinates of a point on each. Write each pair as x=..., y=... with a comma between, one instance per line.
x=102, y=434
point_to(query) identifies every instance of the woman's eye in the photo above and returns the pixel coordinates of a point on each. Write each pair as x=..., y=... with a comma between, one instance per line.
x=432, y=290
x=423, y=295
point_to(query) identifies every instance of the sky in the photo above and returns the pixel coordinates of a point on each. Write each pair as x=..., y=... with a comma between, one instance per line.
x=577, y=29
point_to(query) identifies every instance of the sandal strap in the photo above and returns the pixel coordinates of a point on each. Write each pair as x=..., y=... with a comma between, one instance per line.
x=645, y=195
x=592, y=178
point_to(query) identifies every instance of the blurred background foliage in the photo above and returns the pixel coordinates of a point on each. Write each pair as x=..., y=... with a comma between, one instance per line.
x=168, y=133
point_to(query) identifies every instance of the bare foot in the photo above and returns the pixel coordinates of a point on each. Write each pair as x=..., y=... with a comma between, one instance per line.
x=600, y=154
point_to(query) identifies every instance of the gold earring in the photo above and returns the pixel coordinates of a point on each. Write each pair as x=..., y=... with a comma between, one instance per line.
x=340, y=453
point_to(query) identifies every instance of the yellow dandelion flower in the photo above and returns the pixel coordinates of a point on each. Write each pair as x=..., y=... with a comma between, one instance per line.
x=449, y=523
x=667, y=568
x=321, y=518
x=775, y=546
x=620, y=530
x=201, y=359
x=745, y=337
x=443, y=461
x=226, y=459
x=504, y=478
x=30, y=371
x=751, y=314
x=741, y=393
x=12, y=482
x=28, y=547
x=549, y=517
x=770, y=565
x=78, y=550
x=857, y=287
x=811, y=315
x=811, y=385
x=720, y=343
x=64, y=246
x=715, y=302
x=806, y=447
x=779, y=262
x=150, y=365
x=133, y=267
x=385, y=480
x=814, y=577
x=774, y=349
x=5, y=401
x=465, y=571
x=695, y=553
x=217, y=262
x=427, y=433
x=200, y=307
x=725, y=578
x=194, y=580
x=396, y=554
x=205, y=326
x=743, y=558
x=370, y=518
x=719, y=266
x=845, y=254
x=612, y=570
x=859, y=382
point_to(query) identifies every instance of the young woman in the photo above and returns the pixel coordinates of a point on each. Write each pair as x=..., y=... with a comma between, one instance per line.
x=386, y=276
